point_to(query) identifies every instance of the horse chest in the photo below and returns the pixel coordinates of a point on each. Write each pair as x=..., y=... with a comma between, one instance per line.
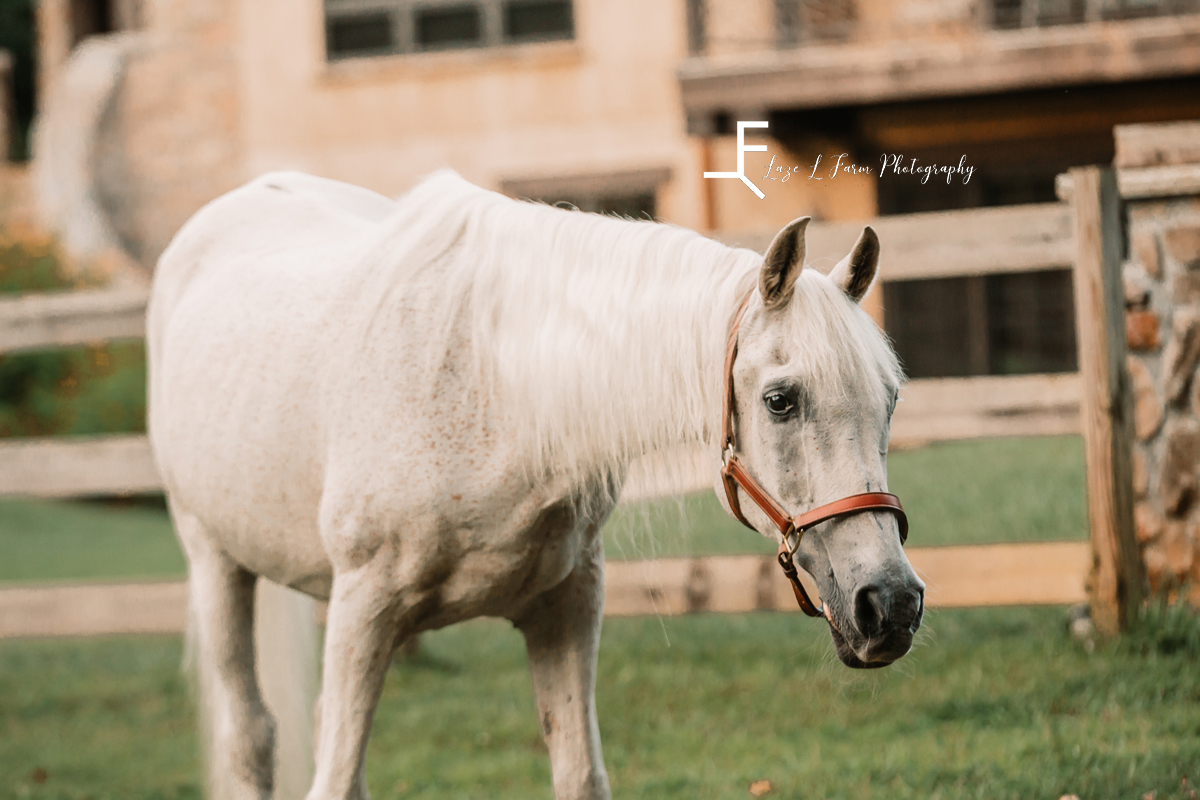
x=497, y=568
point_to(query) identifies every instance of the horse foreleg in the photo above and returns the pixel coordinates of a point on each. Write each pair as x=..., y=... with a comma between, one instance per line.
x=562, y=635
x=240, y=730
x=360, y=635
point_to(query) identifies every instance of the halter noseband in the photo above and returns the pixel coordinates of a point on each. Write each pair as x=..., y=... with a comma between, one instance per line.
x=735, y=476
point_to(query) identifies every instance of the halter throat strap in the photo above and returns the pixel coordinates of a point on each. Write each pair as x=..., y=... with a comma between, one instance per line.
x=735, y=477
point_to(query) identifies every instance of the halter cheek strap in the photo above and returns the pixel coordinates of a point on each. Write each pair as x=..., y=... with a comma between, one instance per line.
x=735, y=476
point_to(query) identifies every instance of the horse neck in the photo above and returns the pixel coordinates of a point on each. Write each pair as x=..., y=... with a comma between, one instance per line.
x=693, y=382
x=659, y=385
x=601, y=339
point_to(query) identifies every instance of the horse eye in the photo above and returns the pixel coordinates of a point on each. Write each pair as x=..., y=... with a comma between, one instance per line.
x=778, y=403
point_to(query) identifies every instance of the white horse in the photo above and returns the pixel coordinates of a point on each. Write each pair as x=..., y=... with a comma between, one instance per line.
x=423, y=411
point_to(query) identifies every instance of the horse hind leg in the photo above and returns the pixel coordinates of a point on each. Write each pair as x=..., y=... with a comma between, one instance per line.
x=238, y=731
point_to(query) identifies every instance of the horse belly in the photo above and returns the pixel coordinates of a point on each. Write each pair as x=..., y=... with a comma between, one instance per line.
x=256, y=505
x=533, y=545
x=235, y=430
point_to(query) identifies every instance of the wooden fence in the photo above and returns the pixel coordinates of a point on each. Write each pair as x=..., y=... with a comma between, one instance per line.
x=978, y=575
x=943, y=244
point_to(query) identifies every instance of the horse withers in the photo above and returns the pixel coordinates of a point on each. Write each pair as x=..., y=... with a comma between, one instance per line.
x=423, y=410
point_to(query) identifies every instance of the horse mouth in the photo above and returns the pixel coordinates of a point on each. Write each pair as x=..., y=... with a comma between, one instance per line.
x=849, y=655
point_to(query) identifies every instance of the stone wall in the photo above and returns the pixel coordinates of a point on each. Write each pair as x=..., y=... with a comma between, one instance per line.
x=1162, y=296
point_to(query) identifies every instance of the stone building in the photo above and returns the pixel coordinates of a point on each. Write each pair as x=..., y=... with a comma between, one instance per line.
x=150, y=108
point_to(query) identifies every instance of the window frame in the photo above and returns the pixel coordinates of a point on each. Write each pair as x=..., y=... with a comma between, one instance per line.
x=403, y=15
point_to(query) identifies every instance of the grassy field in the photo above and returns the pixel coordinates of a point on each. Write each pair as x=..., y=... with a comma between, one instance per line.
x=993, y=704
x=997, y=490
x=960, y=493
x=47, y=540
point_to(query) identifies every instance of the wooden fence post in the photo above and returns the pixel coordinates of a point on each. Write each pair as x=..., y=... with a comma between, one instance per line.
x=1116, y=585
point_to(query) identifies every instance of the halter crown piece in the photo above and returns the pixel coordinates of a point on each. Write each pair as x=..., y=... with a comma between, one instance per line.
x=735, y=476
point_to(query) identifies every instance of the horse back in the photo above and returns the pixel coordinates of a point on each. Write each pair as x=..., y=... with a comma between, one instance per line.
x=238, y=326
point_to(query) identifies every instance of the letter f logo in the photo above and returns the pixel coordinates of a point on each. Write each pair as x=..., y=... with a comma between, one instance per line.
x=742, y=149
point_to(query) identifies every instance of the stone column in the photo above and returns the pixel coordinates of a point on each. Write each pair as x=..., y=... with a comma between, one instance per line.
x=1159, y=172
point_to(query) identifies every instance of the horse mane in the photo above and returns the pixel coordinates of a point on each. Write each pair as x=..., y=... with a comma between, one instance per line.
x=600, y=338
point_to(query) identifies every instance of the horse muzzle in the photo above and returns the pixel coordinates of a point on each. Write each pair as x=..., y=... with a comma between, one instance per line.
x=882, y=623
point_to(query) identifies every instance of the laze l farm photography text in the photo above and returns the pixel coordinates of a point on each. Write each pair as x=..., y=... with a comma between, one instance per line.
x=889, y=164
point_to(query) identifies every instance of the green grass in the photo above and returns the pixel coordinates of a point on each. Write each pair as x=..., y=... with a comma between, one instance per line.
x=995, y=704
x=45, y=540
x=99, y=718
x=962, y=493
x=995, y=490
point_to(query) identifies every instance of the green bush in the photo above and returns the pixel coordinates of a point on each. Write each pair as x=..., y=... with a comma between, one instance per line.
x=78, y=390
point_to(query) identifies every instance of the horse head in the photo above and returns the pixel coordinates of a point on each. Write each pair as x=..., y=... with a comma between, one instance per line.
x=812, y=383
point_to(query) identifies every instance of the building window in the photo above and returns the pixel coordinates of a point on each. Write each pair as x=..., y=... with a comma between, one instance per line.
x=380, y=27
x=526, y=20
x=455, y=26
x=1011, y=14
x=359, y=35
x=802, y=21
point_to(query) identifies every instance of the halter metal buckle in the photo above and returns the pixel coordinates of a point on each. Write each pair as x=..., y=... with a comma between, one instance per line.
x=791, y=551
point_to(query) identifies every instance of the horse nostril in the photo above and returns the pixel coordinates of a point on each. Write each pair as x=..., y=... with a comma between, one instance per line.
x=918, y=603
x=868, y=611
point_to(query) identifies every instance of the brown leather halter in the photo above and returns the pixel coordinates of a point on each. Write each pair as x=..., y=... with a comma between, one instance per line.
x=735, y=476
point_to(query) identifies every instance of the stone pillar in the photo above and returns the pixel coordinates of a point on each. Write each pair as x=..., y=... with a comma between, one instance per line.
x=1159, y=171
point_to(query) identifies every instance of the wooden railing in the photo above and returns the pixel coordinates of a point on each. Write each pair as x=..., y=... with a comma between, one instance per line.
x=67, y=467
x=975, y=242
x=942, y=244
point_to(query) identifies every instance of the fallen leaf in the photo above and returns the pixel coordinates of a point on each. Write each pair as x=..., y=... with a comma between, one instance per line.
x=760, y=788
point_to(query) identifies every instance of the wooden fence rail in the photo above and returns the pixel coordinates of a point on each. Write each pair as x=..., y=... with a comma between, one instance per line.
x=934, y=410
x=37, y=321
x=945, y=244
x=1028, y=574
x=78, y=466
x=974, y=242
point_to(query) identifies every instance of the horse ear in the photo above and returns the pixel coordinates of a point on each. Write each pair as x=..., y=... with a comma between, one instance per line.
x=855, y=273
x=782, y=264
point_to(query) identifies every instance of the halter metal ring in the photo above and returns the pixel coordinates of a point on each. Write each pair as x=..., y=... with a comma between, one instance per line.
x=791, y=551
